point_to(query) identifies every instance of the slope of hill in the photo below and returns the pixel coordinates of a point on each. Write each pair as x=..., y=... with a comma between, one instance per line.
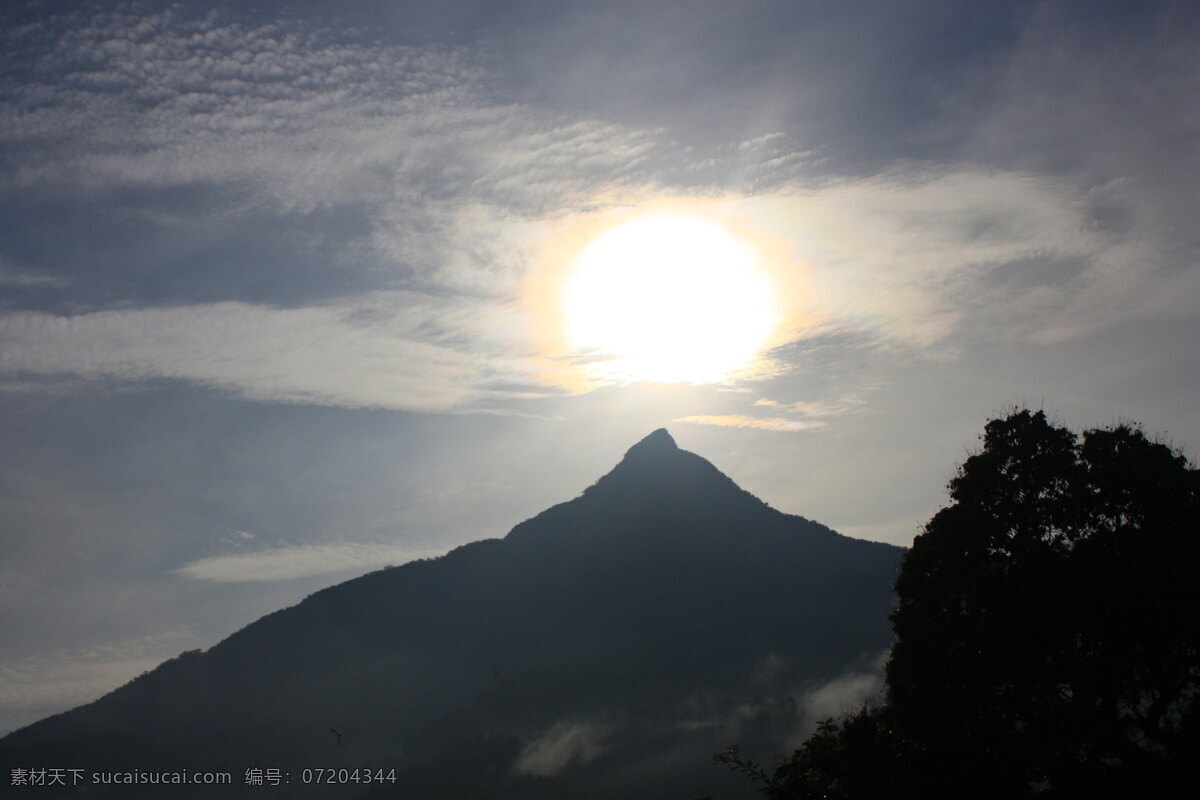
x=605, y=647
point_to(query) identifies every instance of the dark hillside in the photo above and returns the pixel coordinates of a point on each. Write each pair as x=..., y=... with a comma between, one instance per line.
x=629, y=622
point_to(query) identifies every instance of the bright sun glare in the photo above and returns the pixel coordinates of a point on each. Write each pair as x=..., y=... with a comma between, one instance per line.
x=669, y=299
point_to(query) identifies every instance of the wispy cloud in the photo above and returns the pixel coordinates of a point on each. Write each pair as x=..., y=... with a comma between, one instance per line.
x=26, y=280
x=901, y=262
x=31, y=688
x=843, y=695
x=287, y=563
x=443, y=180
x=562, y=745
x=903, y=257
x=818, y=409
x=795, y=417
x=760, y=423
x=388, y=350
x=296, y=117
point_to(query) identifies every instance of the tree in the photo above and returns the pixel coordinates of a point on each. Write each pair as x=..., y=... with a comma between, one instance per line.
x=1047, y=632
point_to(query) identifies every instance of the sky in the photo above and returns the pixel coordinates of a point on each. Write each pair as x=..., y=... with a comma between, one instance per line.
x=290, y=292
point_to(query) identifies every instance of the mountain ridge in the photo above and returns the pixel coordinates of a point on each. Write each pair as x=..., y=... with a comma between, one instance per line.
x=661, y=581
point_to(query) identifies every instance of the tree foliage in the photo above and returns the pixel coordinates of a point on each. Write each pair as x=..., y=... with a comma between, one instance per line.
x=1047, y=633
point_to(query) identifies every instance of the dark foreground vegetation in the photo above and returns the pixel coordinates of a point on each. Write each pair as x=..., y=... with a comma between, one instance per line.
x=1047, y=634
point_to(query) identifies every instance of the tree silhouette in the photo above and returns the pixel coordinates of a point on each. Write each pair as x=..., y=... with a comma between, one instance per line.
x=1047, y=633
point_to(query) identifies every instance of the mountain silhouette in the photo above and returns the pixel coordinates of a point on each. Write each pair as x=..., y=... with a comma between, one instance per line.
x=605, y=647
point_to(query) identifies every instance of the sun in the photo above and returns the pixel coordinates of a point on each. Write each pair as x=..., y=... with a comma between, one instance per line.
x=672, y=299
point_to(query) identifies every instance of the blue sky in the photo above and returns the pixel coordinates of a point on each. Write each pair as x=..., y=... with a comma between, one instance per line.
x=276, y=283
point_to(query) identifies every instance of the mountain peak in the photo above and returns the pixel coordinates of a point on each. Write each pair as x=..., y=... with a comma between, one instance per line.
x=657, y=442
x=657, y=472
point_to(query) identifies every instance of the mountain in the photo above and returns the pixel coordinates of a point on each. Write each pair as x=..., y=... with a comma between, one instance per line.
x=604, y=648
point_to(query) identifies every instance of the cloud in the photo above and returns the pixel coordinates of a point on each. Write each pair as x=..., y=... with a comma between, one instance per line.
x=805, y=409
x=295, y=117
x=562, y=745
x=386, y=350
x=287, y=563
x=903, y=256
x=785, y=717
x=760, y=423
x=843, y=695
x=26, y=280
x=435, y=179
x=1116, y=112
x=815, y=413
x=901, y=261
x=36, y=686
